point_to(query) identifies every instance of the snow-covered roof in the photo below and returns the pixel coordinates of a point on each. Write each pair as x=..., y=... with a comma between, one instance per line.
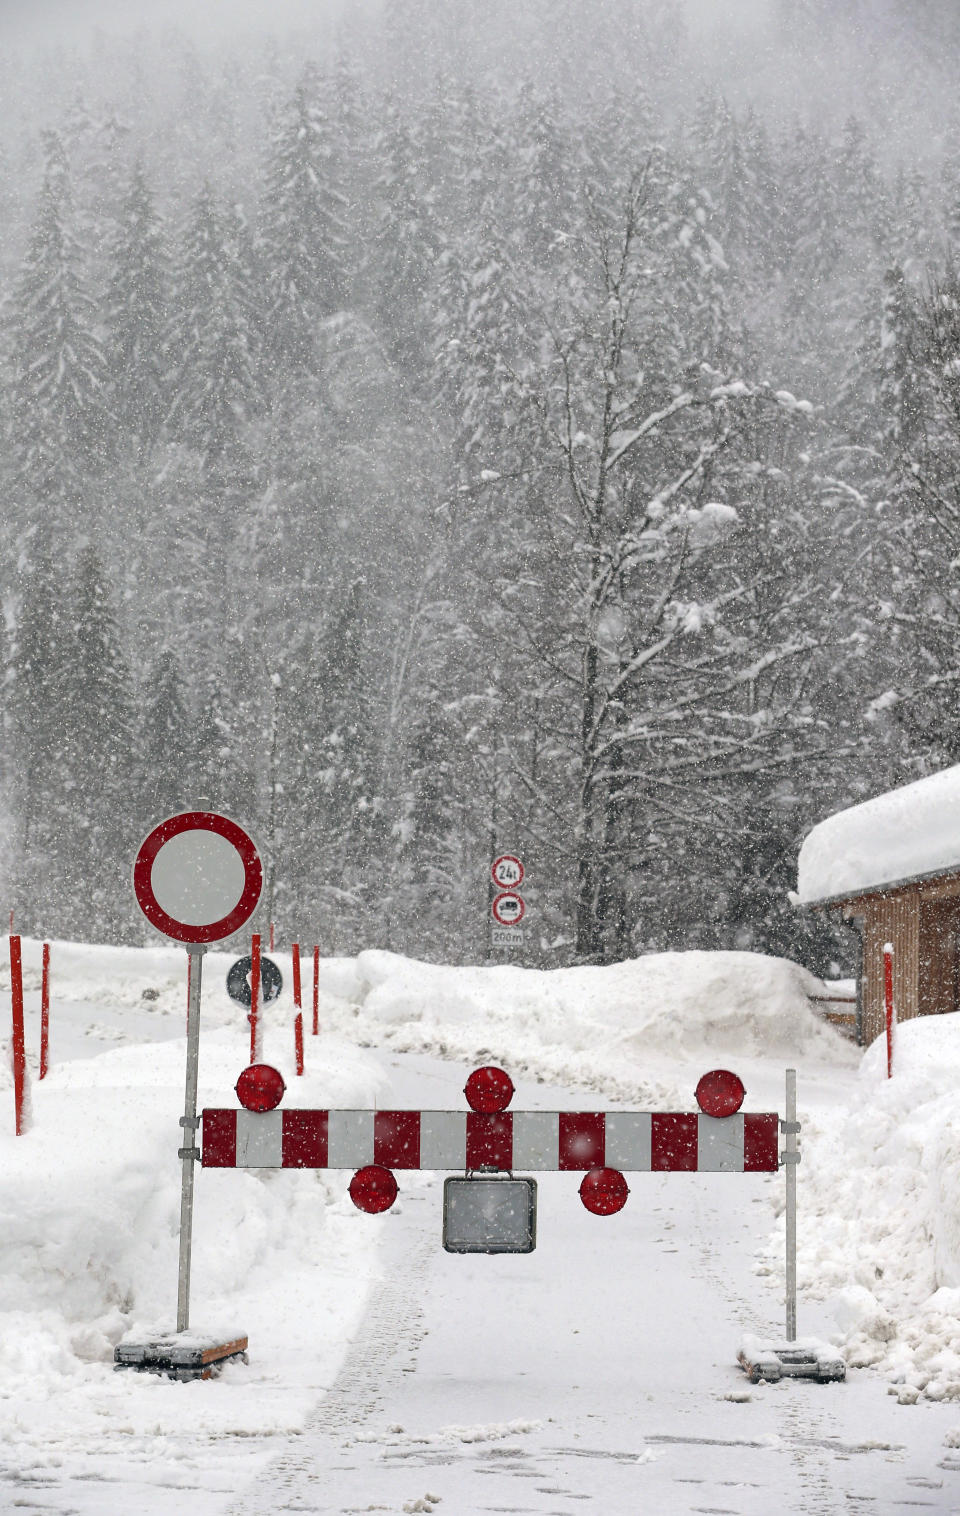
x=905, y=834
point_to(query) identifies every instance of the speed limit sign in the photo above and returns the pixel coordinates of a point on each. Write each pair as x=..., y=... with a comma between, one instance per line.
x=507, y=871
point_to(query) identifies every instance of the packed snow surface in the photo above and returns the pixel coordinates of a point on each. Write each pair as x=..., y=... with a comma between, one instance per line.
x=903, y=834
x=89, y=1197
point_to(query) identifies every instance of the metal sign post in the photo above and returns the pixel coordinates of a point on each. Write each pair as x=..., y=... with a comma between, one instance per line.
x=190, y=1152
x=791, y=1158
x=197, y=878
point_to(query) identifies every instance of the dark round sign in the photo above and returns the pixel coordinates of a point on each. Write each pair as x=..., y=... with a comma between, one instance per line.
x=197, y=877
x=238, y=981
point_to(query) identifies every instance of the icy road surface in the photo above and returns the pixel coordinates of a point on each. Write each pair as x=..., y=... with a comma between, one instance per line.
x=597, y=1373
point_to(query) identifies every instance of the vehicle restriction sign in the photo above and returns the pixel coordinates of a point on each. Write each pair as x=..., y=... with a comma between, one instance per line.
x=507, y=872
x=197, y=877
x=508, y=908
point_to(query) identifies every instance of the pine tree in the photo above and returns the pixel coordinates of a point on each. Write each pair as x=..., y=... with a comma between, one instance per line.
x=99, y=835
x=212, y=341
x=164, y=743
x=303, y=233
x=42, y=666
x=136, y=315
x=58, y=367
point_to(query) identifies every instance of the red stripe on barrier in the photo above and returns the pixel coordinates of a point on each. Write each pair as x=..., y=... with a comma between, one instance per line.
x=673, y=1141
x=489, y=1140
x=305, y=1139
x=219, y=1140
x=761, y=1143
x=396, y=1139
x=582, y=1140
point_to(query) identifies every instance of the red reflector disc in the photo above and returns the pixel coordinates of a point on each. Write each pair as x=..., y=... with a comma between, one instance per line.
x=489, y=1090
x=604, y=1191
x=260, y=1087
x=373, y=1189
x=720, y=1093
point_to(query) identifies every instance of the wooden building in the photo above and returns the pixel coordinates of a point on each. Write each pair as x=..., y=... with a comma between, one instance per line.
x=892, y=867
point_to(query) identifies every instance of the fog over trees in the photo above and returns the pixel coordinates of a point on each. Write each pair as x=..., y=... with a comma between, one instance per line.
x=475, y=428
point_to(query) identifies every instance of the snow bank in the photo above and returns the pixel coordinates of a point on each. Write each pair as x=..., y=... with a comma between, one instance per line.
x=598, y=1027
x=89, y=1219
x=879, y=1212
x=905, y=833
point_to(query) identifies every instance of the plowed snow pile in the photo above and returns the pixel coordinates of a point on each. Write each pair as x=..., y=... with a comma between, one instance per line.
x=605, y=1028
x=879, y=1206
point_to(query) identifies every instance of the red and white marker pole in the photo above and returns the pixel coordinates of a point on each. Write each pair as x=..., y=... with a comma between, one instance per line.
x=888, y=1002
x=271, y=936
x=297, y=1000
x=316, y=991
x=45, y=1012
x=18, y=1044
x=255, y=1037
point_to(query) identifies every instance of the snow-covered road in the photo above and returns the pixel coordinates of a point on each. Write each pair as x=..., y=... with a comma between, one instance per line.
x=386, y=1375
x=597, y=1372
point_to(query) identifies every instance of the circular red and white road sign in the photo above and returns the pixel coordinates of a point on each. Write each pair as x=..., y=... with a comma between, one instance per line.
x=508, y=909
x=507, y=872
x=197, y=877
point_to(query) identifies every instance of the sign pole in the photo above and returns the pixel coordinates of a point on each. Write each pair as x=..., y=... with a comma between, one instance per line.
x=189, y=1153
x=791, y=1159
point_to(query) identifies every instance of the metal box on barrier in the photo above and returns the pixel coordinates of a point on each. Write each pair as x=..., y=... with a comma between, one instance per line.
x=488, y=1214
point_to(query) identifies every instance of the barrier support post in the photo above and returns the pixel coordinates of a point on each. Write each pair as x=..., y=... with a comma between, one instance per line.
x=791, y=1159
x=190, y=1151
x=45, y=1012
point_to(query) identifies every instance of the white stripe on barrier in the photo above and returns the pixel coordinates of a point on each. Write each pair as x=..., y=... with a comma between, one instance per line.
x=350, y=1139
x=720, y=1144
x=627, y=1140
x=259, y=1140
x=536, y=1140
x=443, y=1140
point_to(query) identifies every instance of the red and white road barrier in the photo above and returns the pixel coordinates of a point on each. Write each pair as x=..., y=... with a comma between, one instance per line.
x=631, y=1141
x=891, y=1015
x=18, y=1044
x=45, y=1012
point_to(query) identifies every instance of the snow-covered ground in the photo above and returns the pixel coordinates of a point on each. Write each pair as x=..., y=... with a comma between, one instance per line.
x=598, y=1369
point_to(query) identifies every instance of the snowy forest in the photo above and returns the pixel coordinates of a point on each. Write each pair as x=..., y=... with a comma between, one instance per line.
x=473, y=428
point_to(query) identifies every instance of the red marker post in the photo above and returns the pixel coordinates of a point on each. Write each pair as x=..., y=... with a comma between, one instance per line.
x=316, y=991
x=19, y=1047
x=45, y=1012
x=888, y=1002
x=298, y=1018
x=255, y=1037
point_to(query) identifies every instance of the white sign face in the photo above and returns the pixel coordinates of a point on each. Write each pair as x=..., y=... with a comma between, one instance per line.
x=506, y=936
x=197, y=877
x=507, y=871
